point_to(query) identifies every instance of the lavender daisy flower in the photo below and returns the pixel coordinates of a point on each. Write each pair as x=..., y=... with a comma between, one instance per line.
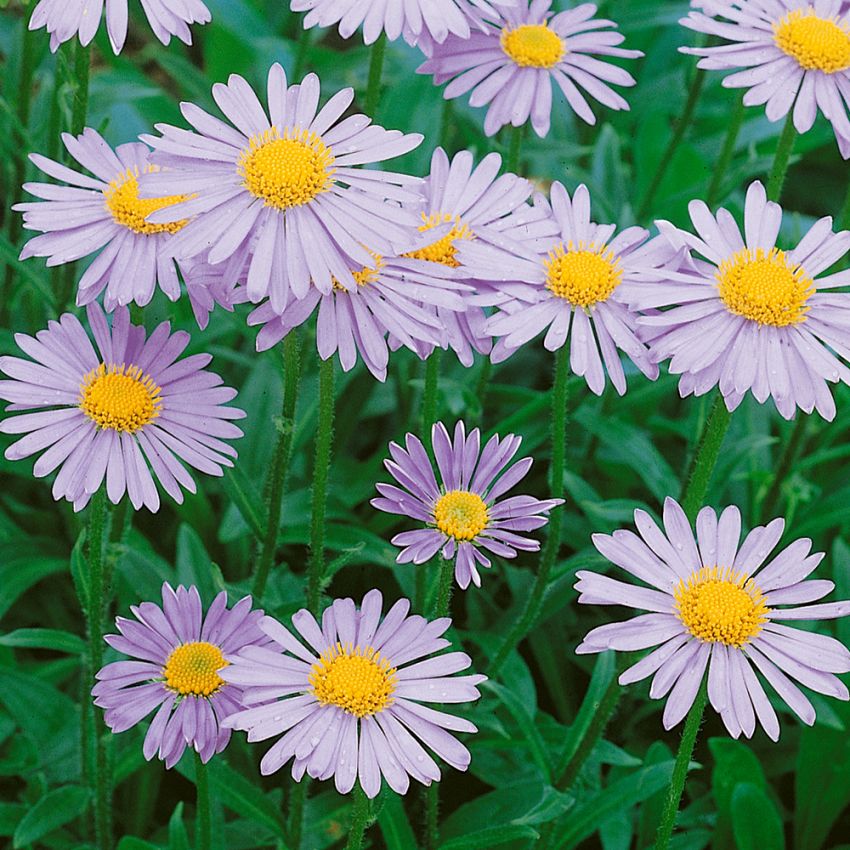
x=349, y=704
x=181, y=653
x=795, y=54
x=64, y=19
x=269, y=191
x=464, y=513
x=749, y=316
x=577, y=284
x=511, y=65
x=120, y=413
x=103, y=214
x=715, y=607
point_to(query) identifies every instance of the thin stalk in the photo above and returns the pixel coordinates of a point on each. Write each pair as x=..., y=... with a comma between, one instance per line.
x=432, y=816
x=675, y=140
x=444, y=590
x=726, y=153
x=553, y=541
x=359, y=820
x=786, y=461
x=321, y=469
x=297, y=798
x=680, y=768
x=431, y=392
x=82, y=72
x=781, y=159
x=376, y=69
x=203, y=825
x=301, y=54
x=280, y=463
x=512, y=163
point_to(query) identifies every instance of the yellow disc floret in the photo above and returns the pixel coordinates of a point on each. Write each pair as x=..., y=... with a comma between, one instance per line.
x=130, y=211
x=364, y=276
x=584, y=275
x=192, y=669
x=533, y=45
x=286, y=170
x=461, y=514
x=719, y=605
x=356, y=679
x=122, y=398
x=817, y=43
x=765, y=286
x=444, y=250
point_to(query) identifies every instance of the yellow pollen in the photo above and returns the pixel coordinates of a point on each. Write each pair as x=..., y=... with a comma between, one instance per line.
x=192, y=669
x=584, y=275
x=533, y=46
x=288, y=170
x=818, y=44
x=364, y=276
x=356, y=679
x=444, y=250
x=130, y=211
x=461, y=514
x=719, y=605
x=122, y=398
x=764, y=287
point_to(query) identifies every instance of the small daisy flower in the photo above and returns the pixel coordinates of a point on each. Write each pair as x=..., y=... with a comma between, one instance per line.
x=512, y=64
x=716, y=608
x=119, y=413
x=752, y=317
x=280, y=191
x=464, y=513
x=349, y=703
x=178, y=655
x=103, y=215
x=575, y=285
x=64, y=19
x=788, y=54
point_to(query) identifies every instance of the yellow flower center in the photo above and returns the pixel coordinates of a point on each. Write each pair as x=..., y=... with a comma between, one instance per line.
x=192, y=669
x=533, y=46
x=585, y=275
x=288, y=170
x=357, y=680
x=764, y=287
x=364, y=276
x=818, y=44
x=130, y=211
x=443, y=251
x=461, y=514
x=122, y=398
x=718, y=605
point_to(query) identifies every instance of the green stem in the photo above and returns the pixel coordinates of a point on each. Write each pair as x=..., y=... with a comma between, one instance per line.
x=432, y=816
x=431, y=392
x=705, y=458
x=553, y=541
x=321, y=469
x=203, y=826
x=447, y=123
x=675, y=140
x=680, y=768
x=297, y=798
x=301, y=55
x=843, y=220
x=443, y=602
x=786, y=461
x=82, y=71
x=280, y=464
x=781, y=159
x=512, y=163
x=376, y=68
x=359, y=820
x=727, y=152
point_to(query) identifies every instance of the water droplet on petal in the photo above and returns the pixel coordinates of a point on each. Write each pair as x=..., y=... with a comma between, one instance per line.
x=314, y=741
x=420, y=759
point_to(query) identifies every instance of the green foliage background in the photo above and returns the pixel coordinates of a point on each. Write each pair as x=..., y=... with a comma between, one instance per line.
x=623, y=453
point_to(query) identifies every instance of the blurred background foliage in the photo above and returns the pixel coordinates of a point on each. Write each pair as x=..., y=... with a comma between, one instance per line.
x=623, y=453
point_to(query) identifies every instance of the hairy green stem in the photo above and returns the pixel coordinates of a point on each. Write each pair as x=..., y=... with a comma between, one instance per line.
x=786, y=461
x=736, y=121
x=432, y=816
x=359, y=820
x=376, y=69
x=680, y=768
x=280, y=464
x=431, y=391
x=553, y=541
x=512, y=163
x=203, y=825
x=321, y=470
x=781, y=159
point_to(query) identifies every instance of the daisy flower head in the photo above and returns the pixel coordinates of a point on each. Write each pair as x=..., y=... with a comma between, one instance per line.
x=464, y=513
x=101, y=213
x=346, y=699
x=715, y=606
x=177, y=654
x=280, y=191
x=575, y=285
x=750, y=316
x=64, y=19
x=511, y=64
x=788, y=54
x=128, y=411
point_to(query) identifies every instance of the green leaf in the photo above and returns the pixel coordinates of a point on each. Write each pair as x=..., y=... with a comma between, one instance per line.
x=756, y=823
x=45, y=639
x=19, y=574
x=244, y=496
x=54, y=809
x=395, y=827
x=193, y=562
x=734, y=763
x=494, y=837
x=178, y=839
x=130, y=842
